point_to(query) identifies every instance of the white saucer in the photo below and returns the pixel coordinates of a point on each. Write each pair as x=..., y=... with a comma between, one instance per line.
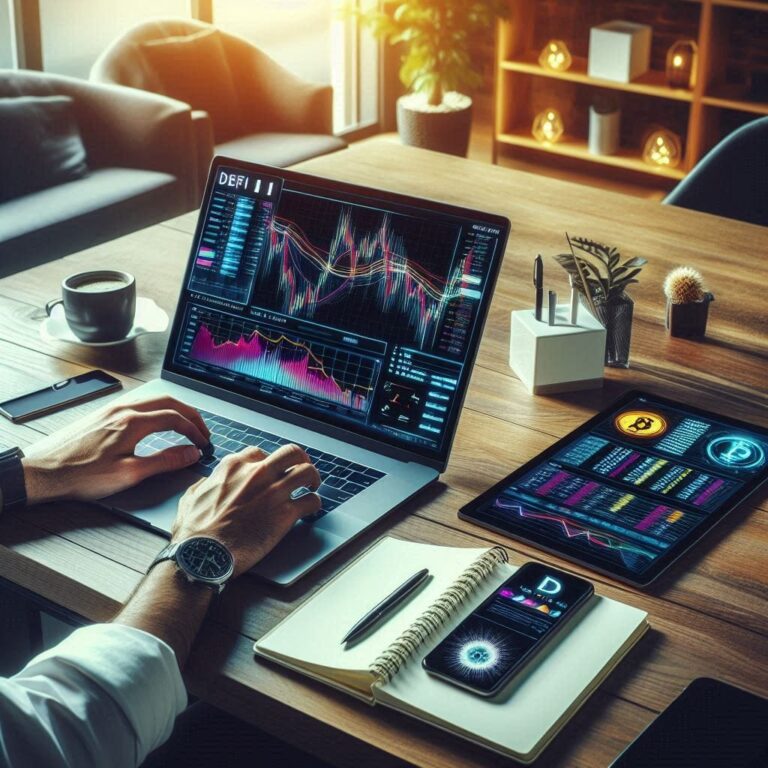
x=149, y=319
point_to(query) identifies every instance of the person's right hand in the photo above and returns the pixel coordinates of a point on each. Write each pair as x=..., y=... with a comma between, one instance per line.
x=246, y=503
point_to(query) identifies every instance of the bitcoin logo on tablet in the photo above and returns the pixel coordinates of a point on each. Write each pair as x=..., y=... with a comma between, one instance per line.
x=644, y=424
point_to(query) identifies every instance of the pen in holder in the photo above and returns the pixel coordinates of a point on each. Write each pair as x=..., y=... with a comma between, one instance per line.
x=562, y=357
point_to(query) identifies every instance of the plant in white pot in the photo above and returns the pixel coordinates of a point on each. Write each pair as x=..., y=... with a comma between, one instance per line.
x=437, y=37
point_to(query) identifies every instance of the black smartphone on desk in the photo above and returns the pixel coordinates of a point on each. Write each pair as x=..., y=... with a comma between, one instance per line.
x=500, y=636
x=60, y=395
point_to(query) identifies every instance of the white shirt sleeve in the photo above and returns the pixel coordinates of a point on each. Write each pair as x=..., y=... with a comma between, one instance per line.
x=106, y=696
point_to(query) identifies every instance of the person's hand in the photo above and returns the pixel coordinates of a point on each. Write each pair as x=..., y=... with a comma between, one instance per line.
x=99, y=460
x=246, y=503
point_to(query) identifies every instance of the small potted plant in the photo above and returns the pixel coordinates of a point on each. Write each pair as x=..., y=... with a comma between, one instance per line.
x=436, y=63
x=687, y=303
x=601, y=279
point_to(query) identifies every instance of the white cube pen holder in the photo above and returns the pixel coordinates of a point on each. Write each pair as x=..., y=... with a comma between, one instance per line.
x=557, y=358
x=619, y=50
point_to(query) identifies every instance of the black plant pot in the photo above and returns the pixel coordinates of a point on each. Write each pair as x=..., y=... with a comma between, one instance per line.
x=688, y=321
x=446, y=130
x=616, y=317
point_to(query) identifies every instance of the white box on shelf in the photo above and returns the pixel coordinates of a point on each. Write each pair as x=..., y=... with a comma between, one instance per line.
x=619, y=50
x=557, y=358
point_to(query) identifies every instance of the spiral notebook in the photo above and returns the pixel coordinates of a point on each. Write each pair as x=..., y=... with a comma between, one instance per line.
x=385, y=667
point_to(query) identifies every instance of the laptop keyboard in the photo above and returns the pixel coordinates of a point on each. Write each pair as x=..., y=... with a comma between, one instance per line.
x=341, y=479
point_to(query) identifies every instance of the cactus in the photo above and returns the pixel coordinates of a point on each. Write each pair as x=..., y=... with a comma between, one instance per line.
x=684, y=285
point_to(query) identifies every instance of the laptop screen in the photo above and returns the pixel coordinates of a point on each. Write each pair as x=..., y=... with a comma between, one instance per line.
x=358, y=308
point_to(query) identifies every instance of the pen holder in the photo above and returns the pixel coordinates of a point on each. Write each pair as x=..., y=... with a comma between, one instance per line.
x=557, y=358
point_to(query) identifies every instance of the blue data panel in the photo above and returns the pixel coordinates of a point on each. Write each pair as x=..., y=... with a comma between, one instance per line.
x=233, y=239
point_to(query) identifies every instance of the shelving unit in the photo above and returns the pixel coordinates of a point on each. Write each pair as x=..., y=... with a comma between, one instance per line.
x=718, y=103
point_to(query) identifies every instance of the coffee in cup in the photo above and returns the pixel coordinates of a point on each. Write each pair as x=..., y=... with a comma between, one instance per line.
x=99, y=306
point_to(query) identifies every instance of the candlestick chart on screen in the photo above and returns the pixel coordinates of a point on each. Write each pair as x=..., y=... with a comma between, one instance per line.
x=374, y=272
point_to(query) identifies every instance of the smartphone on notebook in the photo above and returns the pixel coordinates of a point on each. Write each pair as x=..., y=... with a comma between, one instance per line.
x=508, y=629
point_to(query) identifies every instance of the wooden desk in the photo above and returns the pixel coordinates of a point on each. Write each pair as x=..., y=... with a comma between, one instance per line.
x=708, y=617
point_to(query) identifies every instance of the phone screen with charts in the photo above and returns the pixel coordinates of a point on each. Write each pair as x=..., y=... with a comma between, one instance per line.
x=508, y=629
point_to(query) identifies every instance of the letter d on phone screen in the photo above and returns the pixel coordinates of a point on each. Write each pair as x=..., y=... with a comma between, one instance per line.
x=496, y=640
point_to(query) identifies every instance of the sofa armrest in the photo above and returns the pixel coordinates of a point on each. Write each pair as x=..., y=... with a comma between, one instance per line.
x=274, y=99
x=135, y=129
x=202, y=128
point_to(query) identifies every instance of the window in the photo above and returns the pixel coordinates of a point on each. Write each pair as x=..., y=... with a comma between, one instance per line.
x=296, y=33
x=312, y=40
x=6, y=47
x=75, y=32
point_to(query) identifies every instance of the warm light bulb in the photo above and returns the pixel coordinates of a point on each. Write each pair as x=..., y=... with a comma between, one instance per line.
x=548, y=126
x=555, y=56
x=681, y=64
x=662, y=148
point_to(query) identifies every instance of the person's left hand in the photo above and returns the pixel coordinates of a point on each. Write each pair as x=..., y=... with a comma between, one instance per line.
x=99, y=460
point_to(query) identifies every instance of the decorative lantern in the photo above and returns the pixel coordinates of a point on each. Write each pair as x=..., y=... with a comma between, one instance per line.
x=556, y=56
x=681, y=64
x=548, y=126
x=662, y=148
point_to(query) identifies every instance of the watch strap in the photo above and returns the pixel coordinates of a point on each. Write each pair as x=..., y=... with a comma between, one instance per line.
x=12, y=487
x=168, y=552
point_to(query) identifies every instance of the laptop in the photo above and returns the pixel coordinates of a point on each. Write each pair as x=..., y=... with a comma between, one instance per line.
x=341, y=318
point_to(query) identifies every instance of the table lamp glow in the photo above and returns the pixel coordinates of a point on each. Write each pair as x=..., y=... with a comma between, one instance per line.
x=555, y=56
x=548, y=126
x=681, y=64
x=662, y=148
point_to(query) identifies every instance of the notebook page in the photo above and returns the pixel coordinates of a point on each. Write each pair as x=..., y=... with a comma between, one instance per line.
x=543, y=696
x=312, y=634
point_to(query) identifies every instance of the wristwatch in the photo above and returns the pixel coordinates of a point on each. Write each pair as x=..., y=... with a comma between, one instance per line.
x=13, y=492
x=201, y=559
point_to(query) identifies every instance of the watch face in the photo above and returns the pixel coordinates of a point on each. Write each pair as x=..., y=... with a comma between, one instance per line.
x=205, y=559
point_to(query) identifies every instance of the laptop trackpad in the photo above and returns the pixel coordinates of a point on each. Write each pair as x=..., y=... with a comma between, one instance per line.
x=156, y=500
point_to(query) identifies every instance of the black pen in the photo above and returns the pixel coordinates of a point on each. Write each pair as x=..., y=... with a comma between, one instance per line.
x=538, y=283
x=386, y=606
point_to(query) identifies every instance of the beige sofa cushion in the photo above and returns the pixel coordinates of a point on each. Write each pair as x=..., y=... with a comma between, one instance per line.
x=194, y=69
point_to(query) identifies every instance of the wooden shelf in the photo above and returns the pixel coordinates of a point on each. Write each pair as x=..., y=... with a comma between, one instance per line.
x=701, y=116
x=570, y=146
x=746, y=5
x=652, y=83
x=732, y=97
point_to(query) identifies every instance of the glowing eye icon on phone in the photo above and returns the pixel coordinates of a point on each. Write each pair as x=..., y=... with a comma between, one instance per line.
x=549, y=586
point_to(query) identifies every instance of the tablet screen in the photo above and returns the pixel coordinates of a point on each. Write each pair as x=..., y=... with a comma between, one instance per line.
x=631, y=489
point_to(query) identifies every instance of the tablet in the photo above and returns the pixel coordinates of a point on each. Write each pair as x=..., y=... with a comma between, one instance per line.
x=629, y=491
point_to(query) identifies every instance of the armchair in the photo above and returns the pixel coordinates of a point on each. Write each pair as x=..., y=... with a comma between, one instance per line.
x=244, y=104
x=731, y=180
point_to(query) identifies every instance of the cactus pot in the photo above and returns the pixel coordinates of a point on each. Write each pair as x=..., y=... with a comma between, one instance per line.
x=688, y=321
